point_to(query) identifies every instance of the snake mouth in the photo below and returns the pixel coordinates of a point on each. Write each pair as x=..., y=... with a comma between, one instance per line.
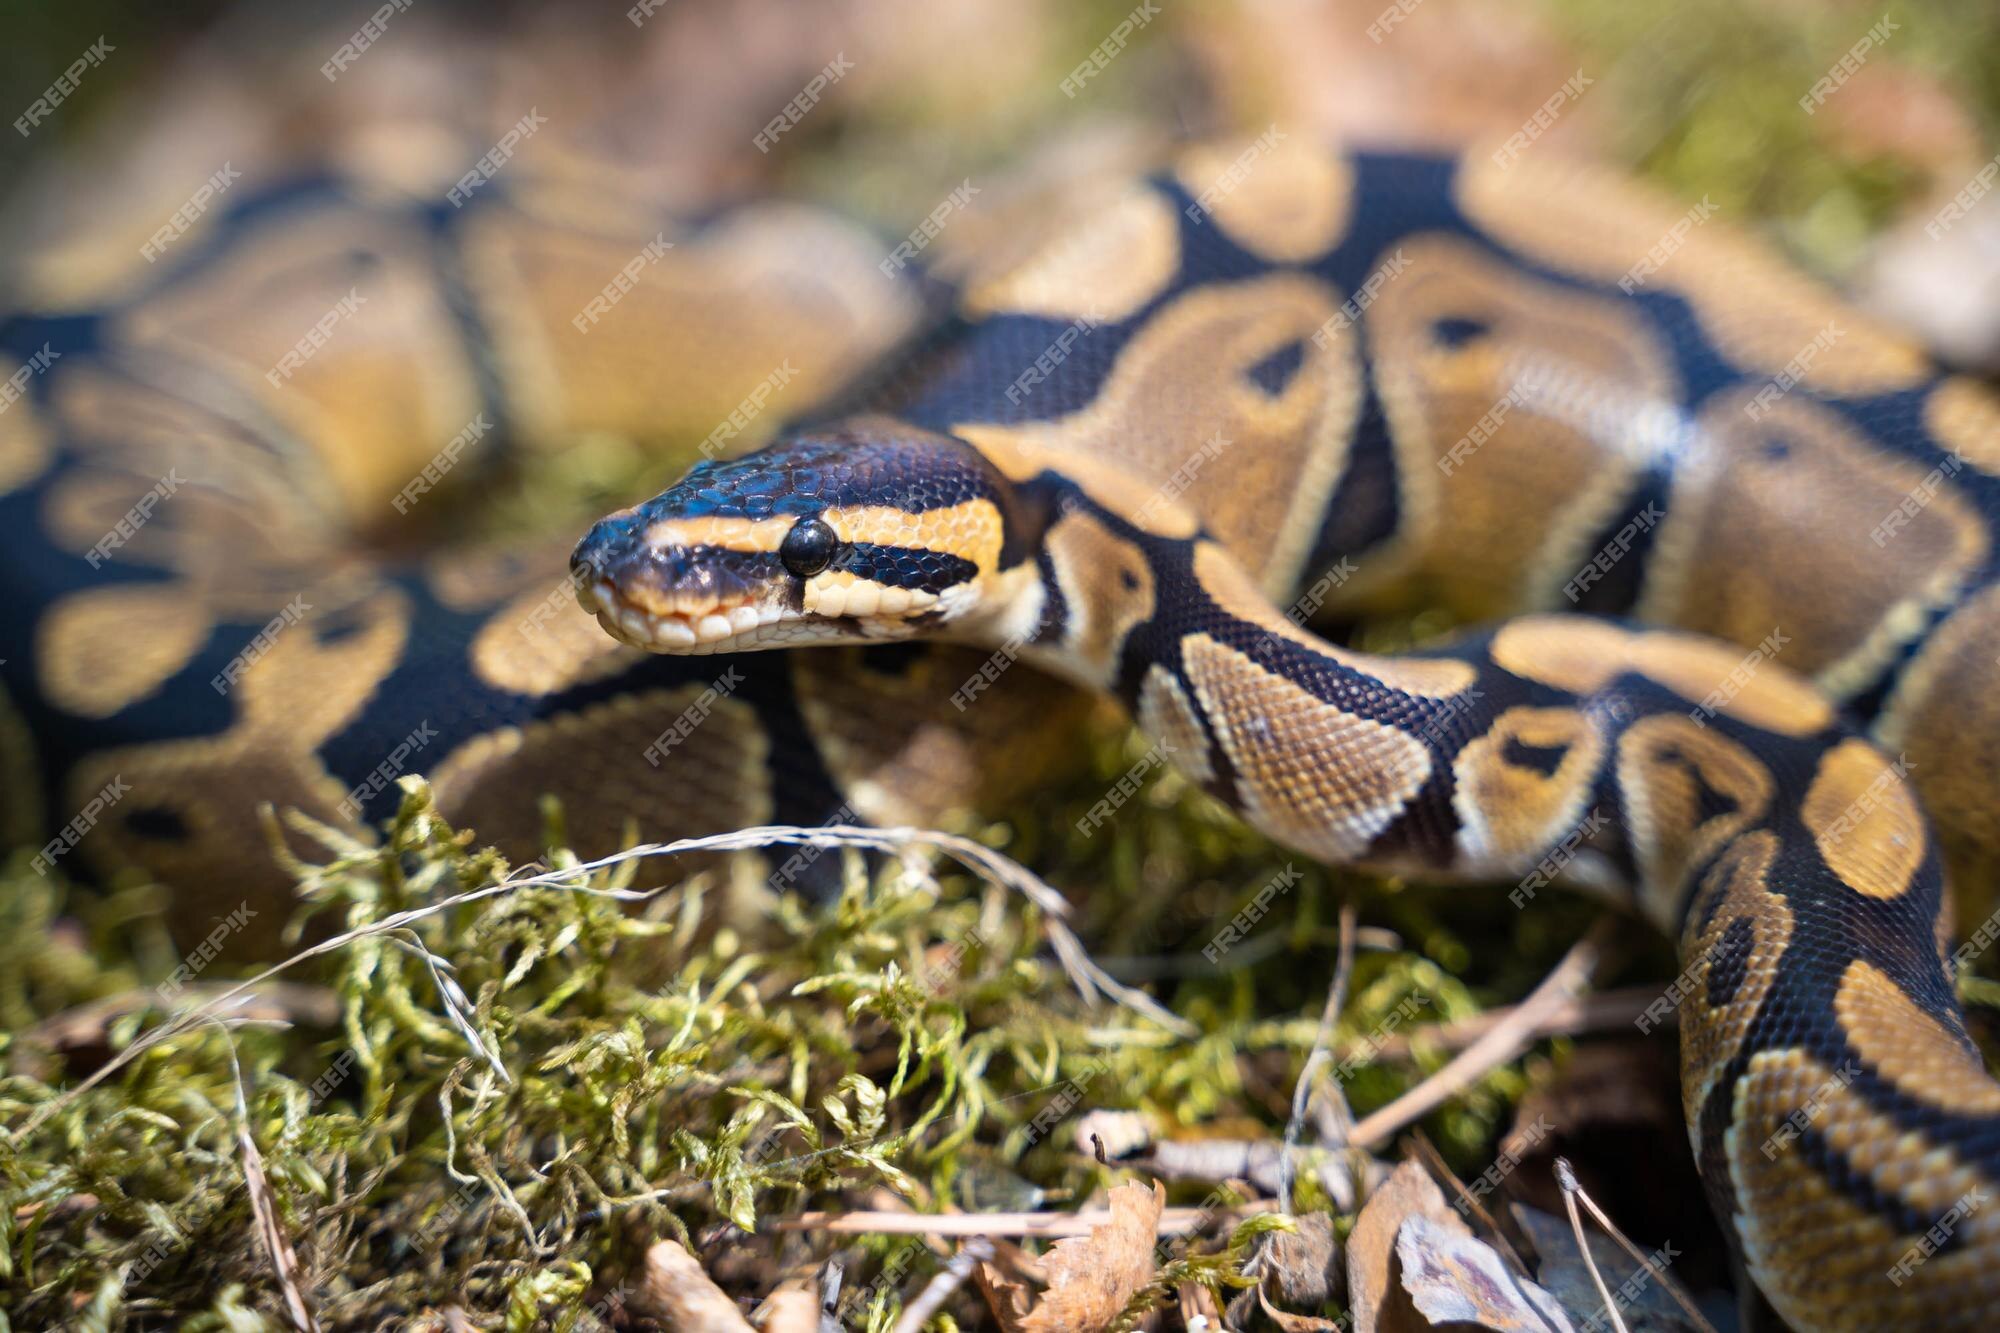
x=670, y=623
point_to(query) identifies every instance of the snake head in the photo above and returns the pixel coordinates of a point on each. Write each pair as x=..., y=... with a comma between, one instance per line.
x=862, y=532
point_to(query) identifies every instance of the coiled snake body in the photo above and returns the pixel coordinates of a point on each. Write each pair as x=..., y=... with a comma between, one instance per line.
x=1374, y=381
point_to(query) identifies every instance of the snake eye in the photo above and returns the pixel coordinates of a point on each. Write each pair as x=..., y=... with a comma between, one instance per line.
x=808, y=547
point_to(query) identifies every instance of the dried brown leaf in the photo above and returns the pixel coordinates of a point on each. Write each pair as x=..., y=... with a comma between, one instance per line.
x=675, y=1291
x=1371, y=1248
x=1302, y=1267
x=1453, y=1278
x=1092, y=1277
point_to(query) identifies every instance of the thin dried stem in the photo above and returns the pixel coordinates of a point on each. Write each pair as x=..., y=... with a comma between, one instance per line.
x=1499, y=1044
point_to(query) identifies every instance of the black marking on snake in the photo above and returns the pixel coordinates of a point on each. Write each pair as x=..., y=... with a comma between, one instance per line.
x=1543, y=759
x=1729, y=961
x=1274, y=373
x=904, y=566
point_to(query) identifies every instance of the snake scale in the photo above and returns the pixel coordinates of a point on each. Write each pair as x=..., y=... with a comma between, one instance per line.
x=1735, y=538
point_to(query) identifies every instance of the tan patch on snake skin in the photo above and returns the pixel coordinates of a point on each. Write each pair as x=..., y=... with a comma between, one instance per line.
x=24, y=436
x=130, y=419
x=1313, y=776
x=542, y=642
x=104, y=648
x=1230, y=588
x=714, y=778
x=734, y=534
x=1864, y=818
x=1583, y=656
x=1181, y=415
x=1824, y=1258
x=1712, y=1034
x=333, y=323
x=1107, y=588
x=718, y=338
x=971, y=530
x=1871, y=540
x=956, y=732
x=1105, y=270
x=307, y=684
x=1665, y=764
x=1522, y=414
x=1020, y=453
x=1286, y=201
x=1926, y=1060
x=1511, y=813
x=1759, y=311
x=476, y=578
x=1945, y=715
x=1168, y=716
x=1964, y=414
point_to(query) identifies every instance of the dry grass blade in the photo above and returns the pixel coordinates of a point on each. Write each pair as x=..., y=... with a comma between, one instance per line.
x=939, y=1289
x=264, y=1208
x=1572, y=1188
x=1322, y=1052
x=1499, y=1044
x=1171, y=1222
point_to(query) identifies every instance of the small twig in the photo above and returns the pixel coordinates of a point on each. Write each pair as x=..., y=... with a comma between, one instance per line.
x=1600, y=1011
x=1173, y=1222
x=938, y=1290
x=1499, y=1044
x=1660, y=1275
x=1567, y=1179
x=1329, y=1019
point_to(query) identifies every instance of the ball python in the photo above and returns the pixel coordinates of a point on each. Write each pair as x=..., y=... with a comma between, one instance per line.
x=1734, y=538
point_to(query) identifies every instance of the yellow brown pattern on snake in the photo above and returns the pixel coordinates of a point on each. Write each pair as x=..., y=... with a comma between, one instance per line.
x=1510, y=813
x=1924, y=1059
x=715, y=340
x=1226, y=584
x=1734, y=889
x=1322, y=779
x=1964, y=414
x=24, y=436
x=1111, y=266
x=1893, y=537
x=971, y=530
x=1945, y=716
x=1665, y=763
x=301, y=689
x=1760, y=312
x=1165, y=711
x=1854, y=1268
x=1288, y=201
x=1180, y=412
x=719, y=775
x=1584, y=656
x=1864, y=818
x=1107, y=584
x=906, y=752
x=1517, y=445
x=542, y=642
x=386, y=385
